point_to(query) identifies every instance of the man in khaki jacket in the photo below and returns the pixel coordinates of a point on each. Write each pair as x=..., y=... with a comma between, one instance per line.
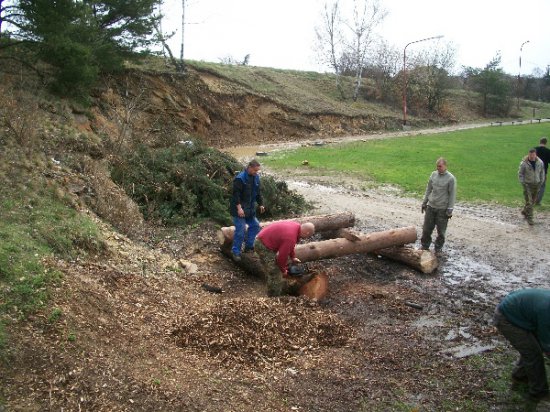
x=438, y=204
x=531, y=177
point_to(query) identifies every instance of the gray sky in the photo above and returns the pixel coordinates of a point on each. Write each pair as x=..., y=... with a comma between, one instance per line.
x=281, y=33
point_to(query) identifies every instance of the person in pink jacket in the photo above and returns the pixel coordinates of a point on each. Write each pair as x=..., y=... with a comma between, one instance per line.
x=275, y=246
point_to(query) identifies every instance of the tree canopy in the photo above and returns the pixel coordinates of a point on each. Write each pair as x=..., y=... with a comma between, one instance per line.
x=493, y=86
x=79, y=39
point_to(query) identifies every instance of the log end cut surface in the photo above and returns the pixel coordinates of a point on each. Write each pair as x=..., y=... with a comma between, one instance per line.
x=428, y=261
x=316, y=288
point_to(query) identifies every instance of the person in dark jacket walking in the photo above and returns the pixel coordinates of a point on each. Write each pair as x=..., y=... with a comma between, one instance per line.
x=543, y=154
x=523, y=318
x=246, y=195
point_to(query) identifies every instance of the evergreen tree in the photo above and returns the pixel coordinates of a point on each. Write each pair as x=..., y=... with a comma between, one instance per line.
x=81, y=39
x=493, y=86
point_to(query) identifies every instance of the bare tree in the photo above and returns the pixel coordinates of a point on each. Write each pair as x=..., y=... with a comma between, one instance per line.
x=19, y=117
x=125, y=103
x=367, y=14
x=179, y=65
x=383, y=66
x=429, y=76
x=330, y=40
x=348, y=40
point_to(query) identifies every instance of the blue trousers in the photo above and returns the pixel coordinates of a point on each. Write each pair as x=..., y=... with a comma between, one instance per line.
x=242, y=235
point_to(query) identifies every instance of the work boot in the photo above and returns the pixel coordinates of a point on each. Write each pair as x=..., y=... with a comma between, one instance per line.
x=235, y=257
x=530, y=221
x=519, y=384
x=539, y=397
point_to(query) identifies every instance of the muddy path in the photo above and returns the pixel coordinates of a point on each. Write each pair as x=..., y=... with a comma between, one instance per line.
x=489, y=249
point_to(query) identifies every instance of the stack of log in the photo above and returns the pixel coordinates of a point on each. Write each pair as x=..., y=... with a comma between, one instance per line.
x=341, y=240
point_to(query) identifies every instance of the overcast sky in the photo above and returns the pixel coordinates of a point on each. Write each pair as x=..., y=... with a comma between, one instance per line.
x=280, y=33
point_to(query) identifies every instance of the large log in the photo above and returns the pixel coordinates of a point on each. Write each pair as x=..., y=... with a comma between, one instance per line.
x=322, y=223
x=326, y=249
x=295, y=286
x=332, y=248
x=422, y=260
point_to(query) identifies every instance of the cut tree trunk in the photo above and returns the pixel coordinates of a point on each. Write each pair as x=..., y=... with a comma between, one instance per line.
x=322, y=223
x=332, y=248
x=250, y=263
x=316, y=288
x=422, y=260
x=326, y=249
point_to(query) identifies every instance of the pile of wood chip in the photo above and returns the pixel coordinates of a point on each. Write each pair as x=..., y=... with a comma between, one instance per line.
x=250, y=331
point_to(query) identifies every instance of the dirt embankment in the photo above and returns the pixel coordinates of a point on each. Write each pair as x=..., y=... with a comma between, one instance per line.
x=163, y=108
x=134, y=333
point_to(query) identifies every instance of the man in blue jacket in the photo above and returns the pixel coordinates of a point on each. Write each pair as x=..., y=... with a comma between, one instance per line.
x=246, y=195
x=523, y=317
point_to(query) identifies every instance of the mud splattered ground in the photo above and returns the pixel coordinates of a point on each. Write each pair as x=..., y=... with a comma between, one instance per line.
x=135, y=330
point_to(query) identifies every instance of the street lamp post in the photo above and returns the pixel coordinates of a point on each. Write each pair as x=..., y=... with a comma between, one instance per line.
x=519, y=72
x=405, y=74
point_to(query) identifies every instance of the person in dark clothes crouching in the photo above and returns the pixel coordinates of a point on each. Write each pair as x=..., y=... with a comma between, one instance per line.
x=523, y=318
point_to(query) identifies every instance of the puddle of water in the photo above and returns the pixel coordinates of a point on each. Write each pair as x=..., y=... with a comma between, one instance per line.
x=462, y=269
x=258, y=151
x=244, y=152
x=463, y=351
x=319, y=188
x=428, y=322
x=460, y=333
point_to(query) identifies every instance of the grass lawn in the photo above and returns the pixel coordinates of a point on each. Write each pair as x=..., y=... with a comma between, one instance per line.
x=485, y=161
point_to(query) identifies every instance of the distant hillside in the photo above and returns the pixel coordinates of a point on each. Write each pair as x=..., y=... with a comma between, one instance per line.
x=229, y=105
